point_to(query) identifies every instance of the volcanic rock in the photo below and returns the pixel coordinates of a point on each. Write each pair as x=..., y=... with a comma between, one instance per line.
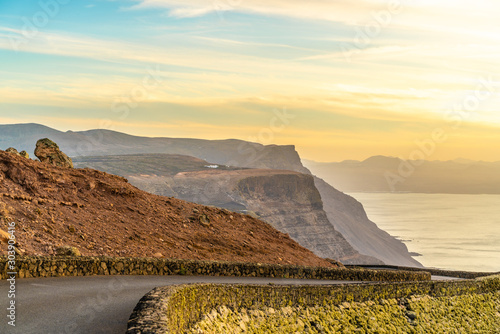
x=68, y=251
x=12, y=150
x=48, y=151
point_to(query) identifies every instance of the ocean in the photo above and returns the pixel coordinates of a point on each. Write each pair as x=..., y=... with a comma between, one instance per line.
x=456, y=232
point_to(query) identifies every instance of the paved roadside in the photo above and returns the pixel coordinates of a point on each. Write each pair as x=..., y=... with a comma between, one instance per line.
x=96, y=304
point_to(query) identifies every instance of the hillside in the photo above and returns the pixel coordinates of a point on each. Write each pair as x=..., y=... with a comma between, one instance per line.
x=387, y=174
x=102, y=214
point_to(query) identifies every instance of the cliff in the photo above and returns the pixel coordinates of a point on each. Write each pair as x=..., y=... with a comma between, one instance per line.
x=100, y=214
x=348, y=217
x=292, y=204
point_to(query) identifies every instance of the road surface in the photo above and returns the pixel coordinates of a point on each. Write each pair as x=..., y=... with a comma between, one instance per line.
x=95, y=304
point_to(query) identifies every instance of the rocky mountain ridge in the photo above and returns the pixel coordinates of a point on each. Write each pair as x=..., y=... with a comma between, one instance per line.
x=231, y=152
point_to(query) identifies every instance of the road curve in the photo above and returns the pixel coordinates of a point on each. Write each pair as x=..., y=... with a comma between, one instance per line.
x=96, y=304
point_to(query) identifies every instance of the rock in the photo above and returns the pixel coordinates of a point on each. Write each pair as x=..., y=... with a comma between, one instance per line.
x=12, y=150
x=204, y=220
x=4, y=237
x=68, y=251
x=158, y=255
x=335, y=262
x=49, y=152
x=411, y=315
x=24, y=154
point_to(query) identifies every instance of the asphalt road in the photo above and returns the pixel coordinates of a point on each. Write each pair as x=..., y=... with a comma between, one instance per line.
x=95, y=304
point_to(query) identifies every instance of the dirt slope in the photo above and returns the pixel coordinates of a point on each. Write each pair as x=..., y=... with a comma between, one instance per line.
x=102, y=214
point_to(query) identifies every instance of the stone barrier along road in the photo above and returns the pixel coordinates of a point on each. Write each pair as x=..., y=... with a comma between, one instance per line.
x=47, y=266
x=97, y=304
x=173, y=309
x=433, y=271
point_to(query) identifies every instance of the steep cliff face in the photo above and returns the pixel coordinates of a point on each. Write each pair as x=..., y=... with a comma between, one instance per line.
x=287, y=200
x=292, y=204
x=348, y=217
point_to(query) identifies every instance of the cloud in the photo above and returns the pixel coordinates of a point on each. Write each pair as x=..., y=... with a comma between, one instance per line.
x=456, y=17
x=209, y=76
x=338, y=10
x=253, y=44
x=190, y=12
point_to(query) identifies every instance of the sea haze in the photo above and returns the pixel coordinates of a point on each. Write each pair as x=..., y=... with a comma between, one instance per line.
x=450, y=231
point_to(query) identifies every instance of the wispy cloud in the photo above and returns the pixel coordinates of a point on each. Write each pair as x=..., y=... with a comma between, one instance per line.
x=339, y=10
x=453, y=17
x=211, y=75
x=258, y=44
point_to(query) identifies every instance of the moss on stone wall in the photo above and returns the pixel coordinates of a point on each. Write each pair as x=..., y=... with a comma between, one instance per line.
x=182, y=306
x=471, y=313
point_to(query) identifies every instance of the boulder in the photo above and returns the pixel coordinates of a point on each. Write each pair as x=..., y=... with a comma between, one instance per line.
x=335, y=263
x=12, y=150
x=24, y=154
x=204, y=220
x=68, y=251
x=49, y=152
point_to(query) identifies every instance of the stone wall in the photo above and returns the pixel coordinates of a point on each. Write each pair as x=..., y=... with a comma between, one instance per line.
x=175, y=309
x=470, y=313
x=432, y=271
x=86, y=266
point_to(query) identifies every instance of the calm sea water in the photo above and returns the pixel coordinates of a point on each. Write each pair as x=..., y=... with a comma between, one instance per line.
x=459, y=232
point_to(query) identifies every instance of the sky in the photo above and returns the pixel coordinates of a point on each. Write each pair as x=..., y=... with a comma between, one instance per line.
x=336, y=78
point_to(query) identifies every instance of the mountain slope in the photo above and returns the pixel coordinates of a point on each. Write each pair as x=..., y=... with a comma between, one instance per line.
x=102, y=214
